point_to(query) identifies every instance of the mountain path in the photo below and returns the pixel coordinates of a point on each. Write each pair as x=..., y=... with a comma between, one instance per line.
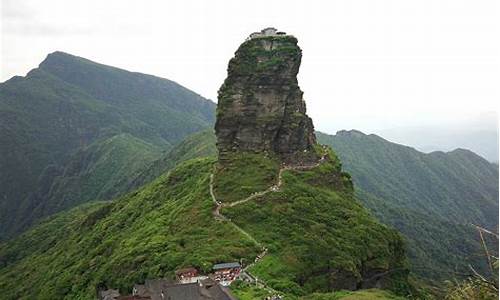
x=273, y=188
x=276, y=187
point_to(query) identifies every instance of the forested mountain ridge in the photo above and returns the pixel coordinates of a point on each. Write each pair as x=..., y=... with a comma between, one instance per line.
x=63, y=120
x=457, y=185
x=440, y=246
x=433, y=199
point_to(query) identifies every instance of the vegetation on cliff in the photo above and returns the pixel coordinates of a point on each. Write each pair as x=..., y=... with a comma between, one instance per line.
x=245, y=291
x=260, y=106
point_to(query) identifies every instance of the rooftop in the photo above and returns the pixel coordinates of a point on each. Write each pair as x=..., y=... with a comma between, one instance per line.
x=186, y=270
x=189, y=291
x=161, y=289
x=227, y=266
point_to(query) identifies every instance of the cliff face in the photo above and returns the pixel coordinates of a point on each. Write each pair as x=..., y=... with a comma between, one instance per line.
x=260, y=107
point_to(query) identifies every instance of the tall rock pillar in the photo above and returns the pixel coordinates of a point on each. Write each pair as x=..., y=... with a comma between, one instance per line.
x=260, y=105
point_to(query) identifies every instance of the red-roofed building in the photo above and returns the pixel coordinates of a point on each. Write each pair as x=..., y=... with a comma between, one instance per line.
x=187, y=275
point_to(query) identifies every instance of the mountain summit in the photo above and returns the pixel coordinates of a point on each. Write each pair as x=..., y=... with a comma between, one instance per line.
x=73, y=130
x=260, y=105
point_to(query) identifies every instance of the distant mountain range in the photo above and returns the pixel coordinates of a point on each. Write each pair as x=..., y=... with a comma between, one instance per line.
x=479, y=134
x=431, y=198
x=74, y=130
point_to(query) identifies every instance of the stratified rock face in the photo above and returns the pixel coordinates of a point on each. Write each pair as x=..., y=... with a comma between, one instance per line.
x=260, y=105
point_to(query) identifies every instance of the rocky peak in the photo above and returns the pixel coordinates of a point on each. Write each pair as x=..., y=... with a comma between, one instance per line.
x=260, y=105
x=58, y=59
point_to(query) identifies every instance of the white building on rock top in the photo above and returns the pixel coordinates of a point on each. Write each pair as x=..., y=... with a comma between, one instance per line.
x=269, y=31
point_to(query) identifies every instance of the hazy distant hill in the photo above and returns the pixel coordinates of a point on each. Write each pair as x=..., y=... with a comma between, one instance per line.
x=72, y=129
x=479, y=135
x=431, y=198
x=444, y=183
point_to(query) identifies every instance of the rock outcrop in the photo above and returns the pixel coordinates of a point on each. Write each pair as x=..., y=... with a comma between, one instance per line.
x=263, y=131
x=260, y=105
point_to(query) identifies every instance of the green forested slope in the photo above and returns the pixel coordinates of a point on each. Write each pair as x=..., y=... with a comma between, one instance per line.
x=444, y=183
x=96, y=171
x=170, y=224
x=431, y=198
x=200, y=144
x=319, y=236
x=440, y=246
x=75, y=131
x=146, y=234
x=162, y=109
x=53, y=119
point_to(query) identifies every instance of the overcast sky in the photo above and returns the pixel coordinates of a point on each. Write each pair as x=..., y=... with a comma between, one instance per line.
x=369, y=65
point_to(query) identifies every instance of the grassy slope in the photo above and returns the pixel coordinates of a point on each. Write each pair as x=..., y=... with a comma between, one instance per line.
x=146, y=234
x=371, y=294
x=200, y=144
x=60, y=109
x=244, y=174
x=315, y=227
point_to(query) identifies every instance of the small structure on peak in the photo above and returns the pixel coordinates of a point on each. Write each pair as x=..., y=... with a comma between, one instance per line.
x=269, y=31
